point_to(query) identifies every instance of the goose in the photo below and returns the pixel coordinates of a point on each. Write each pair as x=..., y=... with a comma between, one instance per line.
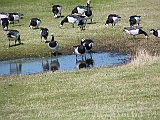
x=56, y=9
x=69, y=19
x=135, y=30
x=155, y=32
x=5, y=22
x=82, y=22
x=134, y=20
x=87, y=43
x=34, y=22
x=53, y=46
x=14, y=35
x=81, y=9
x=113, y=19
x=16, y=17
x=12, y=17
x=79, y=50
x=88, y=13
x=44, y=33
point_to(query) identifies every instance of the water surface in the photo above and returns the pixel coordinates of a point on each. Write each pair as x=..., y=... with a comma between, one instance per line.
x=61, y=63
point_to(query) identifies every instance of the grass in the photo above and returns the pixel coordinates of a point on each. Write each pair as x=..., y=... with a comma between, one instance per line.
x=106, y=39
x=124, y=92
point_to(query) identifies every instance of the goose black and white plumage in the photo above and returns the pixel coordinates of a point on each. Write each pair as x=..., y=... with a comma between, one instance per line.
x=5, y=22
x=113, y=19
x=88, y=13
x=79, y=50
x=135, y=19
x=53, y=46
x=87, y=43
x=56, y=9
x=69, y=19
x=82, y=22
x=15, y=17
x=34, y=22
x=135, y=30
x=81, y=9
x=155, y=32
x=44, y=33
x=14, y=35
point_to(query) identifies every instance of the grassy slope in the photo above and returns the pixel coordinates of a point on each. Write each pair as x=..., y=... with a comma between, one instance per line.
x=124, y=92
x=106, y=39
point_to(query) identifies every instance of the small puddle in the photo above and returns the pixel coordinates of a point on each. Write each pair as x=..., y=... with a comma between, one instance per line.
x=61, y=63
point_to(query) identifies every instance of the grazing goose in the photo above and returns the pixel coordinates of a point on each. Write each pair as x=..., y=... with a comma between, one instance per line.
x=14, y=35
x=15, y=17
x=79, y=50
x=34, y=22
x=56, y=9
x=44, y=33
x=82, y=22
x=155, y=32
x=113, y=19
x=134, y=20
x=81, y=9
x=135, y=30
x=53, y=46
x=5, y=22
x=69, y=19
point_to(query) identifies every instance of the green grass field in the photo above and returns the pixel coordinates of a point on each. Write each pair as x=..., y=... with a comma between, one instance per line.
x=125, y=92
x=106, y=39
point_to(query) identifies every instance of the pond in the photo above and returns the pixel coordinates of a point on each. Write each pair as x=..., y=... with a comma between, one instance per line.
x=62, y=63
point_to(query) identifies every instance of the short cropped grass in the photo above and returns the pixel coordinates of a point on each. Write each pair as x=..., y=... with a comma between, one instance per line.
x=106, y=39
x=124, y=92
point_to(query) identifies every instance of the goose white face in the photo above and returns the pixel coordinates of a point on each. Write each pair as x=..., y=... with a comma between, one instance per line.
x=59, y=9
x=115, y=19
x=38, y=22
x=151, y=31
x=137, y=19
x=55, y=16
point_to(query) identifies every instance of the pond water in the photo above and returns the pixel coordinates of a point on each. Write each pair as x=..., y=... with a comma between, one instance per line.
x=62, y=63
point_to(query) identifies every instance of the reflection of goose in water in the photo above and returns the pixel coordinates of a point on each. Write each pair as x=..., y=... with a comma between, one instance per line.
x=80, y=64
x=90, y=62
x=54, y=65
x=45, y=65
x=15, y=68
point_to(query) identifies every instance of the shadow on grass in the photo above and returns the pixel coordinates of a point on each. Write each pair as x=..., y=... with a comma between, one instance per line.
x=16, y=45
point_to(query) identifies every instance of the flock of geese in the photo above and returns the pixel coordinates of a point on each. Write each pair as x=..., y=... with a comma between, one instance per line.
x=80, y=15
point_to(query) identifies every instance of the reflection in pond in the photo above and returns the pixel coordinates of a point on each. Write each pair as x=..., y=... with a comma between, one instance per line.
x=52, y=66
x=61, y=63
x=15, y=68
